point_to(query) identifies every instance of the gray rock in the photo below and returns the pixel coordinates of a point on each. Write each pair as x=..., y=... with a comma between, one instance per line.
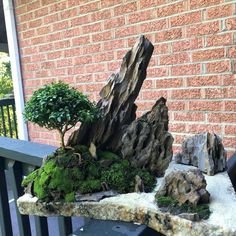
x=186, y=186
x=94, y=197
x=204, y=151
x=146, y=143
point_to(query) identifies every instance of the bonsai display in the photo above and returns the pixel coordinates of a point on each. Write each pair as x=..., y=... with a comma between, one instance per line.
x=112, y=167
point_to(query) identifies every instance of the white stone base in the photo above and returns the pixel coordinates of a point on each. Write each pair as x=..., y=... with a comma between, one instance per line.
x=141, y=208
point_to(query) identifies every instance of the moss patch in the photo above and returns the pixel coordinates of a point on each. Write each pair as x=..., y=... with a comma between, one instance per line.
x=75, y=170
x=171, y=205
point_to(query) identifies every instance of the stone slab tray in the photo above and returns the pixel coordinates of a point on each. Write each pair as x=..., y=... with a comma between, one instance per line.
x=140, y=208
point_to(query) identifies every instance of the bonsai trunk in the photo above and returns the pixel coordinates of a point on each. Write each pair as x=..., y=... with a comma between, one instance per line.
x=62, y=134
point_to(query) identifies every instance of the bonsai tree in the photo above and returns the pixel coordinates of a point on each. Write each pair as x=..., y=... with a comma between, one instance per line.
x=57, y=106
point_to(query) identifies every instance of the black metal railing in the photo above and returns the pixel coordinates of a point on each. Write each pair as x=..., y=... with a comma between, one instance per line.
x=8, y=122
x=17, y=159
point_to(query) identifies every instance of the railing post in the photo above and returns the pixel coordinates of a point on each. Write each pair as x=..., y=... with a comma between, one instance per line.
x=5, y=219
x=64, y=225
x=41, y=226
x=15, y=174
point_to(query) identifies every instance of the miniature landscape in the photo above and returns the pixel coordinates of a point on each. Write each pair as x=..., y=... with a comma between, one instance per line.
x=119, y=167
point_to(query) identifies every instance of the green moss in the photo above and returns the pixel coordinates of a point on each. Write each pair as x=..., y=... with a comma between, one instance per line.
x=30, y=178
x=90, y=186
x=118, y=176
x=172, y=205
x=149, y=180
x=70, y=197
x=105, y=155
x=39, y=190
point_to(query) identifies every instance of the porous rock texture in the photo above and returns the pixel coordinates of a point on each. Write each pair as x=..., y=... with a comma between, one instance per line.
x=186, y=186
x=204, y=151
x=117, y=101
x=146, y=141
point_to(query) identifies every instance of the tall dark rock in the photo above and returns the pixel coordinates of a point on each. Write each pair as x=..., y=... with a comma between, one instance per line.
x=117, y=101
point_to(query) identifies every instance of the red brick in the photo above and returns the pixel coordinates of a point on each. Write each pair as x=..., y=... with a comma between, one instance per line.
x=188, y=44
x=58, y=72
x=114, y=44
x=82, y=60
x=125, y=8
x=68, y=13
x=92, y=68
x=170, y=34
x=101, y=77
x=58, y=6
x=26, y=17
x=84, y=78
x=114, y=23
x=123, y=32
x=200, y=81
x=203, y=29
x=28, y=34
x=229, y=142
x=94, y=87
x=171, y=9
x=229, y=80
x=177, y=127
x=203, y=3
x=230, y=129
x=230, y=106
x=230, y=24
x=80, y=20
x=148, y=84
x=141, y=16
x=189, y=116
x=161, y=49
x=110, y=3
x=157, y=72
x=64, y=63
x=90, y=7
x=44, y=30
x=186, y=19
x=107, y=56
x=221, y=117
x=144, y=105
x=185, y=70
x=52, y=37
x=205, y=105
x=147, y=4
x=93, y=48
x=33, y=6
x=35, y=23
x=154, y=94
x=96, y=27
x=169, y=83
x=51, y=18
x=38, y=40
x=199, y=128
x=176, y=105
x=215, y=93
x=102, y=36
x=219, y=11
x=154, y=26
x=232, y=52
x=219, y=40
x=210, y=54
x=43, y=11
x=101, y=15
x=186, y=94
x=231, y=92
x=179, y=58
x=217, y=67
x=54, y=55
x=62, y=44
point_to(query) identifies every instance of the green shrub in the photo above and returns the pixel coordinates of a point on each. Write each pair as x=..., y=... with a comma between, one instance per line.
x=57, y=106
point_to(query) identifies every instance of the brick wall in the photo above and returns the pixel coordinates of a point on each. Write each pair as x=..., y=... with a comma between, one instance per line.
x=193, y=66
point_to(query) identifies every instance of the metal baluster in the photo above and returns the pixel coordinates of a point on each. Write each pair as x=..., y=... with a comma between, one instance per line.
x=5, y=219
x=14, y=119
x=41, y=226
x=9, y=120
x=3, y=122
x=15, y=173
x=64, y=225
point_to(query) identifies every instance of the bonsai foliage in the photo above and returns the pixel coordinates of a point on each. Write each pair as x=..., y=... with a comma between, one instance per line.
x=57, y=106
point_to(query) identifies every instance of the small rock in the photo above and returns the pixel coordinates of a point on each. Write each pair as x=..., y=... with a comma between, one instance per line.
x=204, y=151
x=186, y=186
x=95, y=197
x=190, y=216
